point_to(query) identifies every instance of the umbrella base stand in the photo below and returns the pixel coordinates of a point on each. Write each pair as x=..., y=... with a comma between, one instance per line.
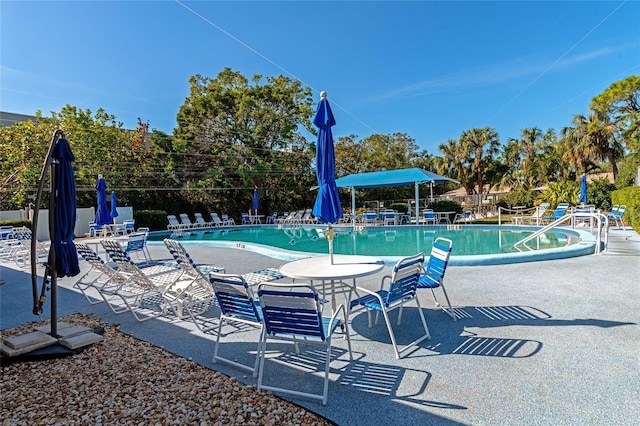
x=39, y=345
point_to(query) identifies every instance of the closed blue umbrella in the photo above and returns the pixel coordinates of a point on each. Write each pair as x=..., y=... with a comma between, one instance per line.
x=583, y=190
x=114, y=206
x=327, y=207
x=103, y=217
x=66, y=257
x=255, y=200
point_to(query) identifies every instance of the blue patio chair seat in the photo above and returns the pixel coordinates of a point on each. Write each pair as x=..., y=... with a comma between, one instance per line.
x=402, y=290
x=428, y=216
x=433, y=275
x=293, y=312
x=237, y=305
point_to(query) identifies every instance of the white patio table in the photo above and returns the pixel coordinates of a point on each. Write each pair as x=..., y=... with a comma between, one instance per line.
x=344, y=267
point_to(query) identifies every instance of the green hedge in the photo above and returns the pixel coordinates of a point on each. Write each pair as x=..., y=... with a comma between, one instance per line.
x=630, y=197
x=155, y=220
x=16, y=223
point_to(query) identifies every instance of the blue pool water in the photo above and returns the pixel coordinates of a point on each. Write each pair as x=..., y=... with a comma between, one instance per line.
x=472, y=245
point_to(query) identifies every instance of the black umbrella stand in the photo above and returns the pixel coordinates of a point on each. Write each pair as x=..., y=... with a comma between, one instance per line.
x=50, y=274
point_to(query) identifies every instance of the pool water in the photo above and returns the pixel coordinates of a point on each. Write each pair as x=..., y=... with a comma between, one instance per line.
x=384, y=241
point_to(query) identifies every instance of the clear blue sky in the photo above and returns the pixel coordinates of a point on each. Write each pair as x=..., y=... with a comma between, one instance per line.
x=428, y=69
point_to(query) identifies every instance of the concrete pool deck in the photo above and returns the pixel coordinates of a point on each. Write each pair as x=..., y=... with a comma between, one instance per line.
x=551, y=342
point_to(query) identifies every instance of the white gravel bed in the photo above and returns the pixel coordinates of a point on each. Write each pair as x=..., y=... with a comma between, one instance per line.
x=126, y=381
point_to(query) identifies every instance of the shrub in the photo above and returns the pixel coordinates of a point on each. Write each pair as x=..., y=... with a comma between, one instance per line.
x=445, y=206
x=155, y=220
x=16, y=223
x=518, y=197
x=399, y=207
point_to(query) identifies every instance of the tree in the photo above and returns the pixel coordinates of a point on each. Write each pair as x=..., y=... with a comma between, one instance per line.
x=590, y=141
x=621, y=104
x=524, y=159
x=234, y=134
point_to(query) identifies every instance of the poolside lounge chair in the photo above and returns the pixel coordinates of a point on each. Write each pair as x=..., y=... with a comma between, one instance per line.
x=201, y=222
x=237, y=305
x=174, y=223
x=402, y=290
x=390, y=217
x=559, y=211
x=539, y=212
x=463, y=217
x=99, y=277
x=215, y=219
x=226, y=220
x=272, y=219
x=428, y=216
x=293, y=313
x=193, y=292
x=142, y=289
x=186, y=222
x=433, y=275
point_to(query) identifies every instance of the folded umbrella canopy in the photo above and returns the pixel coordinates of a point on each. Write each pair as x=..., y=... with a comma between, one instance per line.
x=583, y=190
x=114, y=206
x=66, y=257
x=255, y=200
x=327, y=207
x=103, y=217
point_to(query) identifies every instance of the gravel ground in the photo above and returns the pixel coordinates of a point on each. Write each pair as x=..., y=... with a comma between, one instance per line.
x=125, y=381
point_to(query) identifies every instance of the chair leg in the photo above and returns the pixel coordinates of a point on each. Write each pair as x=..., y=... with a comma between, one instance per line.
x=448, y=310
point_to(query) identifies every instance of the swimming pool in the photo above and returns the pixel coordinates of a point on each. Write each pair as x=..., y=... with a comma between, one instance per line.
x=472, y=244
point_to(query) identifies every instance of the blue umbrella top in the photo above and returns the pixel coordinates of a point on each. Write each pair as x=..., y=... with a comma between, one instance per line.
x=583, y=190
x=103, y=217
x=327, y=207
x=114, y=205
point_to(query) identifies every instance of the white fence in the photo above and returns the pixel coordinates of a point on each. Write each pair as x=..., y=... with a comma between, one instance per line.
x=83, y=217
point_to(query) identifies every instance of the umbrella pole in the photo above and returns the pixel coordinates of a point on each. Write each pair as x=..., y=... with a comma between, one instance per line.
x=50, y=269
x=330, y=240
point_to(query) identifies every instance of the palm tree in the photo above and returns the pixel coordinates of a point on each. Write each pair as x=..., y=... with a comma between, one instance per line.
x=591, y=140
x=482, y=144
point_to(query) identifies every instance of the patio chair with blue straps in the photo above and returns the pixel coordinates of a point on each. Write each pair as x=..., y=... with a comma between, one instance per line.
x=200, y=222
x=237, y=305
x=137, y=243
x=433, y=275
x=129, y=226
x=186, y=221
x=463, y=217
x=559, y=211
x=402, y=290
x=246, y=219
x=428, y=216
x=293, y=313
x=616, y=216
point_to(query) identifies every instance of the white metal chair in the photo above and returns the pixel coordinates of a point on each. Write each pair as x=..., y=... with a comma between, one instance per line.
x=428, y=216
x=402, y=290
x=293, y=313
x=237, y=305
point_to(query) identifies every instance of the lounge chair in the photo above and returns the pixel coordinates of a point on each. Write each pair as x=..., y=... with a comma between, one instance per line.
x=200, y=222
x=174, y=223
x=463, y=217
x=293, y=313
x=99, y=277
x=142, y=289
x=186, y=222
x=559, y=211
x=539, y=213
x=402, y=290
x=433, y=275
x=428, y=216
x=215, y=219
x=272, y=219
x=226, y=220
x=237, y=305
x=193, y=292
